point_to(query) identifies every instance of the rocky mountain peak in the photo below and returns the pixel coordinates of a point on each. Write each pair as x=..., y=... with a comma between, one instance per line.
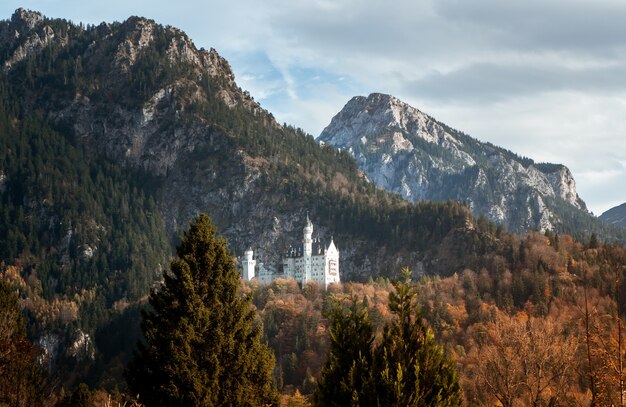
x=397, y=112
x=403, y=150
x=25, y=33
x=385, y=118
x=139, y=35
x=161, y=74
x=141, y=32
x=22, y=18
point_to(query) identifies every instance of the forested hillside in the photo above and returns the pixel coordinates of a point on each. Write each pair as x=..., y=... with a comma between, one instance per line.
x=538, y=323
x=84, y=239
x=615, y=216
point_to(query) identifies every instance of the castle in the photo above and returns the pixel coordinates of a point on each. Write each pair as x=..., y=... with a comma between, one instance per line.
x=314, y=261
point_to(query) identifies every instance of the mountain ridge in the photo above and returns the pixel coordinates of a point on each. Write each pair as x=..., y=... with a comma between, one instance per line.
x=615, y=216
x=115, y=136
x=405, y=151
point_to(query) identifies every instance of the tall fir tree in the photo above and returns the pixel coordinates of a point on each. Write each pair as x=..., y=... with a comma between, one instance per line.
x=346, y=377
x=202, y=346
x=411, y=368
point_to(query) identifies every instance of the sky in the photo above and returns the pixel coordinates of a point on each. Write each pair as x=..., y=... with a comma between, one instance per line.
x=545, y=79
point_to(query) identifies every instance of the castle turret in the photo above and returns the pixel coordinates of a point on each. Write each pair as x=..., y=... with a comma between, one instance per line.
x=308, y=233
x=248, y=264
x=307, y=243
x=332, y=264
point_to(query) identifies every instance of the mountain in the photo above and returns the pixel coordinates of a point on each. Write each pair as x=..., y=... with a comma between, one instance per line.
x=143, y=97
x=615, y=216
x=405, y=151
x=114, y=136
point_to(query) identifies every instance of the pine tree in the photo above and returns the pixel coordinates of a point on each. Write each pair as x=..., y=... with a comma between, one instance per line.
x=346, y=376
x=202, y=345
x=411, y=368
x=408, y=367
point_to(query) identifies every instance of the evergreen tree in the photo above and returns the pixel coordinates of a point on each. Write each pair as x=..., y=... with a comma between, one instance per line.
x=202, y=345
x=411, y=368
x=408, y=367
x=346, y=377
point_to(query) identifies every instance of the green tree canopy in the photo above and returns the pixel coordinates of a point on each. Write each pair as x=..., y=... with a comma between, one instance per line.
x=202, y=345
x=346, y=377
x=407, y=367
x=411, y=368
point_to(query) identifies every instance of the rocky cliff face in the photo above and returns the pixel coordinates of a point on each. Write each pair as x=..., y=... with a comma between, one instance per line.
x=128, y=129
x=407, y=152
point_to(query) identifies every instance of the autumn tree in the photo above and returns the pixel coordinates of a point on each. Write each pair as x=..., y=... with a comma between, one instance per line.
x=523, y=361
x=605, y=343
x=202, y=345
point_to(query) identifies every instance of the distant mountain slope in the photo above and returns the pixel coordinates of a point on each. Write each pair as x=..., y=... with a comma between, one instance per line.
x=407, y=152
x=615, y=216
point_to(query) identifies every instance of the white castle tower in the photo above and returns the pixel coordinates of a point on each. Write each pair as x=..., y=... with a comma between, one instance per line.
x=307, y=245
x=248, y=264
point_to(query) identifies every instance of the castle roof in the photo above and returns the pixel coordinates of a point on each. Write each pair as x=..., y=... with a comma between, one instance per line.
x=318, y=248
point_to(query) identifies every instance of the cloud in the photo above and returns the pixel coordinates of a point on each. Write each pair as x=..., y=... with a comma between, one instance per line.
x=575, y=25
x=492, y=82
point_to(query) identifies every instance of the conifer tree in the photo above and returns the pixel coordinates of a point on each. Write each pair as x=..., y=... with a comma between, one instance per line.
x=407, y=368
x=411, y=368
x=202, y=346
x=346, y=377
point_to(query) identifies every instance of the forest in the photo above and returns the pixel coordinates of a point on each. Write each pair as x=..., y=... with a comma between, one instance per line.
x=538, y=324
